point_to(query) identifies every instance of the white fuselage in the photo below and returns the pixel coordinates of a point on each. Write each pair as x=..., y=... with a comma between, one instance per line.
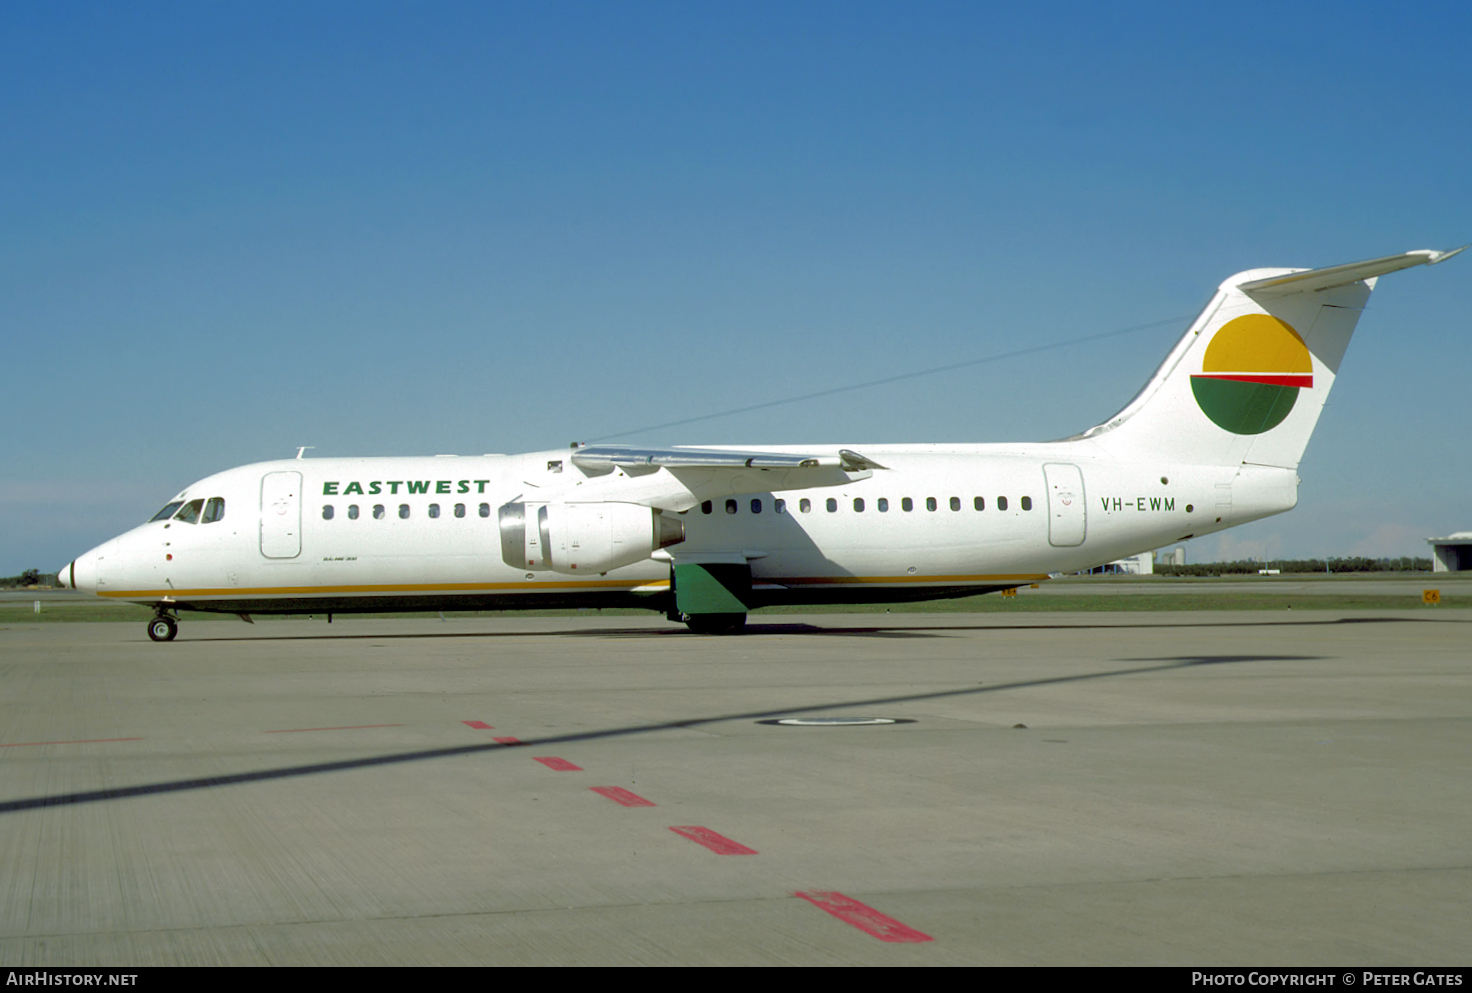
x=422, y=533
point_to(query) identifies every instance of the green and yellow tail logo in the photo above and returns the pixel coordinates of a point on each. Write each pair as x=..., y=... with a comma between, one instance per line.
x=1251, y=375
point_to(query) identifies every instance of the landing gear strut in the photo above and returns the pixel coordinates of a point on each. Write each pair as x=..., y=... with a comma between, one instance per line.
x=163, y=627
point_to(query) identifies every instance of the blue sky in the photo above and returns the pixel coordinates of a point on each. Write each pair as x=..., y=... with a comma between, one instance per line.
x=230, y=229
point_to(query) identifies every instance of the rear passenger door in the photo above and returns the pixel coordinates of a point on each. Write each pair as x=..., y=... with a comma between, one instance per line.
x=1066, y=514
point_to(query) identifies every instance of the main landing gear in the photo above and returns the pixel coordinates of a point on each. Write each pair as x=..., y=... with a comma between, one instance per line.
x=715, y=623
x=163, y=627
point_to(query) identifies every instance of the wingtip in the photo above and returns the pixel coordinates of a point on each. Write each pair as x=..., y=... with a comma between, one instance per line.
x=851, y=461
x=1443, y=256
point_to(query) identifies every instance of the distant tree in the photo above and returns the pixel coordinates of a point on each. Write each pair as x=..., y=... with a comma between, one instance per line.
x=30, y=577
x=1248, y=567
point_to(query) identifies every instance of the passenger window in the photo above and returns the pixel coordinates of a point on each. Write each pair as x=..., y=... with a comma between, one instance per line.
x=434, y=510
x=459, y=510
x=485, y=510
x=378, y=511
x=804, y=505
x=707, y=507
x=403, y=511
x=858, y=505
x=730, y=506
x=167, y=512
x=214, y=510
x=1001, y=503
x=978, y=503
x=190, y=513
x=780, y=506
x=907, y=505
x=756, y=506
x=352, y=511
x=883, y=505
x=832, y=505
x=930, y=503
x=1027, y=503
x=955, y=503
x=327, y=511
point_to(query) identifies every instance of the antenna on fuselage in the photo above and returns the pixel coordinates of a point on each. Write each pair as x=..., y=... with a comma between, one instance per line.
x=302, y=450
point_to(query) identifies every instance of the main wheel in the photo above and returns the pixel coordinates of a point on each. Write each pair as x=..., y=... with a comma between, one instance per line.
x=163, y=628
x=715, y=623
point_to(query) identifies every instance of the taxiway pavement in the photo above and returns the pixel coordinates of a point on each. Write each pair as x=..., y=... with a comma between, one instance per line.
x=1139, y=788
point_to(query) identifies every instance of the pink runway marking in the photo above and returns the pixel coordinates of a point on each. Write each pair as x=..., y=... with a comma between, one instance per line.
x=717, y=843
x=508, y=741
x=350, y=727
x=478, y=725
x=621, y=796
x=88, y=741
x=863, y=917
x=561, y=765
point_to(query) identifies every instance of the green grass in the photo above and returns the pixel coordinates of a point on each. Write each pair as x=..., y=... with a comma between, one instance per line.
x=1054, y=603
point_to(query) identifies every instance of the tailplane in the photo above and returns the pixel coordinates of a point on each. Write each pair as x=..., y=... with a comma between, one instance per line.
x=1250, y=377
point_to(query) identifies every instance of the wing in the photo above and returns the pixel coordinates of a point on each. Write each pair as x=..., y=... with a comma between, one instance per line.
x=680, y=478
x=604, y=458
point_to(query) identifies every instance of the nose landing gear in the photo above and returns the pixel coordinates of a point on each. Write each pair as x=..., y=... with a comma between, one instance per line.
x=163, y=627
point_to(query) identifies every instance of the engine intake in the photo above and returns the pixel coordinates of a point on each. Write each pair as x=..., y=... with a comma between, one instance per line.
x=583, y=538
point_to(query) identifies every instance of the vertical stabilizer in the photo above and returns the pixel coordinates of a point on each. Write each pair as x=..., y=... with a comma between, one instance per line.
x=1249, y=379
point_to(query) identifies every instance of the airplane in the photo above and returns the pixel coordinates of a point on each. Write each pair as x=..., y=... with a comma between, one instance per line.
x=706, y=535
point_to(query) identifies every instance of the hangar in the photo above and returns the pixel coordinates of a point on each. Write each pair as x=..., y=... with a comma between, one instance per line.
x=1452, y=553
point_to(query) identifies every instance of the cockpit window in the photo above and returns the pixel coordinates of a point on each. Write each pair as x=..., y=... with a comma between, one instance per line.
x=167, y=512
x=214, y=510
x=190, y=513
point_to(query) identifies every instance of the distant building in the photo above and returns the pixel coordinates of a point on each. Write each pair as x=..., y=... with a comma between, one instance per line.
x=1452, y=553
x=1136, y=565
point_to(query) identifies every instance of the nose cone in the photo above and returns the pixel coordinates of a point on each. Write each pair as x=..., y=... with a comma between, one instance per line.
x=82, y=575
x=64, y=576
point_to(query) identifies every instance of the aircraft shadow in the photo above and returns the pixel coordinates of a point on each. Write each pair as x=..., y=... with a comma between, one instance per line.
x=1166, y=664
x=882, y=631
x=808, y=629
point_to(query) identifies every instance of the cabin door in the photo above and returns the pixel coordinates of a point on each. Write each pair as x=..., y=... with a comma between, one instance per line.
x=1066, y=520
x=281, y=515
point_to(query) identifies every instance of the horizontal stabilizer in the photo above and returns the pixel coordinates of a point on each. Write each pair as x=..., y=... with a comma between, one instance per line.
x=1309, y=280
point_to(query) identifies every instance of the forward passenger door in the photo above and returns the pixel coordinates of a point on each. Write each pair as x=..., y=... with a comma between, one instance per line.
x=281, y=515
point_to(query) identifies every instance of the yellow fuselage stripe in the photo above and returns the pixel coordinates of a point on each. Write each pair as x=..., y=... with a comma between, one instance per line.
x=610, y=584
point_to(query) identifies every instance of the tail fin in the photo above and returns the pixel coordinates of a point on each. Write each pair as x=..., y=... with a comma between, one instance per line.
x=1249, y=379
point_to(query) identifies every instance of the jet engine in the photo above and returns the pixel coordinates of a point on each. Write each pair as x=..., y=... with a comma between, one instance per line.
x=583, y=538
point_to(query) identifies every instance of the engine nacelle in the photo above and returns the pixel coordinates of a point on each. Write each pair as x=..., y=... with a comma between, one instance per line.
x=583, y=538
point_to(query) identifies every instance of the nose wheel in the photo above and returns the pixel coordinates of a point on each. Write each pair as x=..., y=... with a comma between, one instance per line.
x=163, y=628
